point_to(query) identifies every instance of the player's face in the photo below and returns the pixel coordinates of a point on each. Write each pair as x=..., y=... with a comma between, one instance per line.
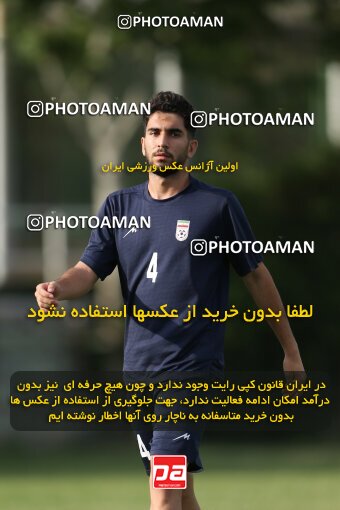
x=167, y=140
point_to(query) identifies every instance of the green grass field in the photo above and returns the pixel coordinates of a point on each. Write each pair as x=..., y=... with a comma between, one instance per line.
x=110, y=476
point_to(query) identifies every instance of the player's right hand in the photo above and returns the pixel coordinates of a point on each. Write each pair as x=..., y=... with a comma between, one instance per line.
x=46, y=294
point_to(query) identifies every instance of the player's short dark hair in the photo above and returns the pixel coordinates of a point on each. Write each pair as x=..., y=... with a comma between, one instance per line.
x=169, y=102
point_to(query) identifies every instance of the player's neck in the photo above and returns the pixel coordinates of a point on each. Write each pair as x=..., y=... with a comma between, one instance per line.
x=161, y=188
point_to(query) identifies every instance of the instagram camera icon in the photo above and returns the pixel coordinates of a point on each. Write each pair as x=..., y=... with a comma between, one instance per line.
x=198, y=247
x=35, y=109
x=35, y=222
x=198, y=119
x=124, y=21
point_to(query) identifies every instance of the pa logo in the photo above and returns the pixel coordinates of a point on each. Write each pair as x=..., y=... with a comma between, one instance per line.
x=169, y=471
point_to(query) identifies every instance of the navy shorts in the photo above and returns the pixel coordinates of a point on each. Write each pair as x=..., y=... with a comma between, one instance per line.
x=171, y=442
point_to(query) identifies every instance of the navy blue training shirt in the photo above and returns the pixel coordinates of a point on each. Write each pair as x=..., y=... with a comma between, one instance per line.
x=156, y=267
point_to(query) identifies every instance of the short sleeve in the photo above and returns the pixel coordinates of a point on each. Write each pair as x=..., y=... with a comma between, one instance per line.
x=101, y=253
x=238, y=229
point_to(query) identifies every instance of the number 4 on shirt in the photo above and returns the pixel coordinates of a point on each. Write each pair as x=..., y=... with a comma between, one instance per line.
x=152, y=269
x=144, y=452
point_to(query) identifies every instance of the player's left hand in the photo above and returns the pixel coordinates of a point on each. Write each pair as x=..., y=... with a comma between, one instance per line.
x=293, y=363
x=293, y=368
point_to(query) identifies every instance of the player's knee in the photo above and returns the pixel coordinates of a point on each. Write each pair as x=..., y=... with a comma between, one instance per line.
x=166, y=499
x=187, y=493
x=188, y=496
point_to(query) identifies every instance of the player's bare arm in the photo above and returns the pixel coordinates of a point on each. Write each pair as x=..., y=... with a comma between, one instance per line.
x=74, y=283
x=265, y=294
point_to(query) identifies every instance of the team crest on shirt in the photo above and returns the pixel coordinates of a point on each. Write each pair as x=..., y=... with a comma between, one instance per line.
x=182, y=230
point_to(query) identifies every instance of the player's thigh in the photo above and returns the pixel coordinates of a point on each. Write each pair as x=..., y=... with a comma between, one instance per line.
x=164, y=498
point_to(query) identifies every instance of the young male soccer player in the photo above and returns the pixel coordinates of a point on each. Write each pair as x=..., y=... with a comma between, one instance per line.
x=156, y=267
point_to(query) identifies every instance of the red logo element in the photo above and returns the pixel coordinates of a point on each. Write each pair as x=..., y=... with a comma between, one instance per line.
x=169, y=471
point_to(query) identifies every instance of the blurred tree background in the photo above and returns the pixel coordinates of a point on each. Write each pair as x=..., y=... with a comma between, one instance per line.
x=270, y=55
